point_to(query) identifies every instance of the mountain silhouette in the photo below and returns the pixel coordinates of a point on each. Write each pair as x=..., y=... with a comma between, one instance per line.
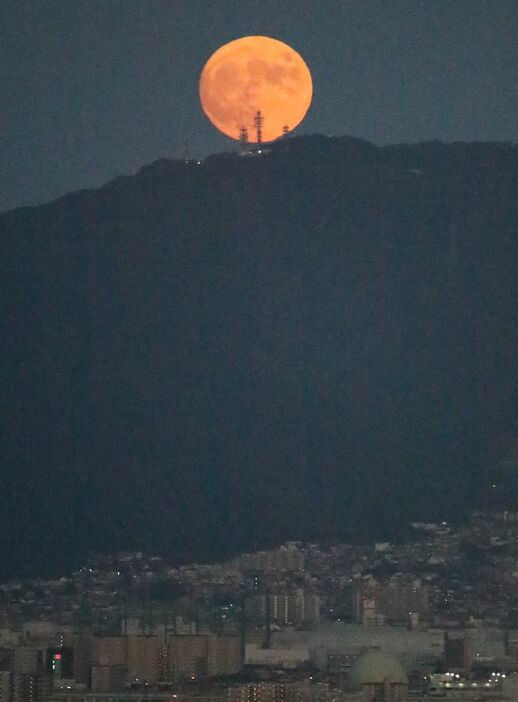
x=318, y=342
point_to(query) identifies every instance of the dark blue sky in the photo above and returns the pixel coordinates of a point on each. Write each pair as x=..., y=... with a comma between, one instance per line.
x=90, y=89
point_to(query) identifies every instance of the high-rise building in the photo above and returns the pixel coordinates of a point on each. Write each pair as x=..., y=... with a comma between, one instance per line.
x=82, y=646
x=224, y=655
x=311, y=608
x=298, y=691
x=29, y=687
x=187, y=657
x=143, y=658
x=279, y=609
x=401, y=597
x=109, y=650
x=397, y=601
x=202, y=655
x=60, y=663
x=257, y=692
x=255, y=609
x=299, y=608
x=29, y=660
x=6, y=658
x=6, y=685
x=366, y=594
x=458, y=650
x=108, y=678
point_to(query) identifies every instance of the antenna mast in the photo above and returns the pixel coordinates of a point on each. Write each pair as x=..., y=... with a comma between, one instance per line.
x=243, y=136
x=258, y=121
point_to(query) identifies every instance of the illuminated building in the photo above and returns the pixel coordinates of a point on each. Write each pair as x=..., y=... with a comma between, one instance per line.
x=31, y=688
x=60, y=663
x=303, y=608
x=258, y=692
x=299, y=608
x=298, y=691
x=393, y=602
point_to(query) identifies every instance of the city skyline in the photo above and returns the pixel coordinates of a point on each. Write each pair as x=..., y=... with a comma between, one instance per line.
x=304, y=622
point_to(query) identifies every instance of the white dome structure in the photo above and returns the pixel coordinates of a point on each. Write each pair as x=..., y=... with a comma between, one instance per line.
x=382, y=674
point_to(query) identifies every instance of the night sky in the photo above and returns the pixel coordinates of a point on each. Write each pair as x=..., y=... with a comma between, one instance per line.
x=94, y=88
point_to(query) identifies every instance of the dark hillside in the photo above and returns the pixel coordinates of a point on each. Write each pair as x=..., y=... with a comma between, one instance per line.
x=316, y=342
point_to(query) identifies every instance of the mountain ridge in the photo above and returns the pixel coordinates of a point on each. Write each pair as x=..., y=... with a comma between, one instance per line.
x=330, y=321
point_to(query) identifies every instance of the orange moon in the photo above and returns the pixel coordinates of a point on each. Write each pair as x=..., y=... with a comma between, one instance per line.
x=254, y=74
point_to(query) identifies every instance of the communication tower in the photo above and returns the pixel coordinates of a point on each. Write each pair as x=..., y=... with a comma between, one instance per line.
x=285, y=130
x=258, y=122
x=243, y=136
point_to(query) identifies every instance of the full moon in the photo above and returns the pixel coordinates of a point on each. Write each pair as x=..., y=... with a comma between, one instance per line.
x=255, y=74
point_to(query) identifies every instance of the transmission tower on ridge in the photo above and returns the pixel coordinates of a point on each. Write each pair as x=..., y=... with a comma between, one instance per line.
x=258, y=121
x=243, y=136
